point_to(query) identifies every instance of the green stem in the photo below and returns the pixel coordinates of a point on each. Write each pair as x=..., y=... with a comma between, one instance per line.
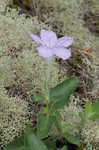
x=48, y=78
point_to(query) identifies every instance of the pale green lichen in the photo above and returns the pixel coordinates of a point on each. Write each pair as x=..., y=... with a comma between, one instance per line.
x=21, y=68
x=90, y=134
x=19, y=56
x=3, y=5
x=70, y=117
x=93, y=6
x=13, y=117
x=31, y=69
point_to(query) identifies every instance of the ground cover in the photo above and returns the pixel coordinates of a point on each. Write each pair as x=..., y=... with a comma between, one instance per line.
x=22, y=71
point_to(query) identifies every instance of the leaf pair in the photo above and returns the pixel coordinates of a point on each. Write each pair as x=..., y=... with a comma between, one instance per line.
x=59, y=95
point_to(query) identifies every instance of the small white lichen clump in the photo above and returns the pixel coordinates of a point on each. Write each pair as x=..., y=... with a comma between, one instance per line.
x=90, y=134
x=13, y=117
x=70, y=117
x=3, y=5
x=33, y=71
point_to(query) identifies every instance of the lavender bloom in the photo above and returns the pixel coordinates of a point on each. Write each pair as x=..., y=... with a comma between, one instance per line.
x=50, y=45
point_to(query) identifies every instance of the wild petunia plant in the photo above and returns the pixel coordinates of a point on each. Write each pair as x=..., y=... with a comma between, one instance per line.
x=53, y=99
x=57, y=97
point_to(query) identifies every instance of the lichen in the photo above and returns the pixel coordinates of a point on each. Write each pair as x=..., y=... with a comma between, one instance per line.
x=13, y=117
x=22, y=69
x=90, y=134
x=21, y=65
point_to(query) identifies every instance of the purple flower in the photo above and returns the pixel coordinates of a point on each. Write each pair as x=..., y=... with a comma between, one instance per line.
x=50, y=45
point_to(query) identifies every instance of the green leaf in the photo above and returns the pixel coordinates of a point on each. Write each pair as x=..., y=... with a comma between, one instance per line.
x=82, y=145
x=82, y=117
x=44, y=125
x=94, y=112
x=72, y=139
x=61, y=93
x=66, y=127
x=64, y=148
x=17, y=144
x=37, y=97
x=51, y=144
x=27, y=142
x=88, y=108
x=57, y=122
x=32, y=142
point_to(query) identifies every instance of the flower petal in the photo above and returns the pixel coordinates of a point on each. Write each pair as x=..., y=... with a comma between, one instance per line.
x=64, y=41
x=48, y=38
x=35, y=38
x=45, y=51
x=62, y=52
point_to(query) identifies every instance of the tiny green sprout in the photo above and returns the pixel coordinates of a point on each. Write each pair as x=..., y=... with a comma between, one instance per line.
x=78, y=59
x=76, y=65
x=46, y=110
x=92, y=69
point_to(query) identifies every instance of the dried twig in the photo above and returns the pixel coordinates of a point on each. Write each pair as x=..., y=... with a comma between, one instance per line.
x=85, y=51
